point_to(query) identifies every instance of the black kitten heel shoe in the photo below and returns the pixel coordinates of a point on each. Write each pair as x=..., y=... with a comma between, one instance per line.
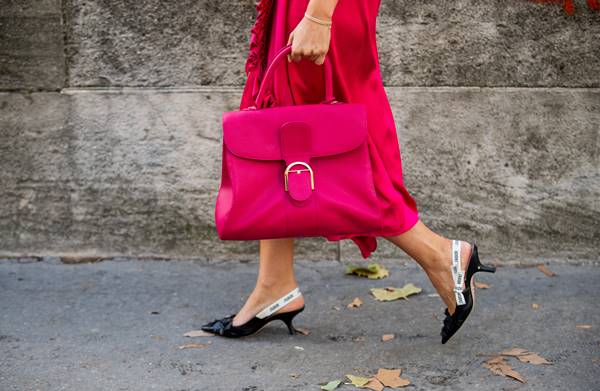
x=465, y=299
x=225, y=328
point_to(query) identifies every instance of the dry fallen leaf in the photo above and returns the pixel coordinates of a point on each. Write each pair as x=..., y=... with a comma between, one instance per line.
x=383, y=378
x=357, y=302
x=357, y=381
x=533, y=358
x=514, y=352
x=545, y=270
x=499, y=366
x=198, y=333
x=583, y=326
x=387, y=337
x=372, y=270
x=332, y=385
x=525, y=356
x=481, y=285
x=193, y=345
x=535, y=306
x=374, y=384
x=302, y=330
x=391, y=378
x=391, y=293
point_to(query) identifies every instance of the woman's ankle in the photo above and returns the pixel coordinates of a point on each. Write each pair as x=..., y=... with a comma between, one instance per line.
x=275, y=285
x=443, y=257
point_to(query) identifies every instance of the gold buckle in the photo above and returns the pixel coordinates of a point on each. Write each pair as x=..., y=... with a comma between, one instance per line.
x=288, y=170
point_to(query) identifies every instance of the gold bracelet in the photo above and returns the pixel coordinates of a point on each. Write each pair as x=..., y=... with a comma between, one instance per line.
x=317, y=20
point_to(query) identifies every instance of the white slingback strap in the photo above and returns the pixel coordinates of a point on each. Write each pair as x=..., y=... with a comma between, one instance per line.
x=457, y=273
x=279, y=303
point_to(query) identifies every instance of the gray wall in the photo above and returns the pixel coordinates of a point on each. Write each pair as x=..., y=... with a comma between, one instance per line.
x=110, y=134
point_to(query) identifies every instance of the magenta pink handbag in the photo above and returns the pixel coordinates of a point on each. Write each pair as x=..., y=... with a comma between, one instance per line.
x=296, y=171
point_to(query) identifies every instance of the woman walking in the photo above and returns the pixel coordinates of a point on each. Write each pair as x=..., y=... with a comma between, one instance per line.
x=345, y=32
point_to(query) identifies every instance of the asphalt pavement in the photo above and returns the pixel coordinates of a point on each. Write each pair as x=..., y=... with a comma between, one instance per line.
x=119, y=324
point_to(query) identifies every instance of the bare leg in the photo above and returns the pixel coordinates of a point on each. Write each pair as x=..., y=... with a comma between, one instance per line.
x=275, y=279
x=433, y=253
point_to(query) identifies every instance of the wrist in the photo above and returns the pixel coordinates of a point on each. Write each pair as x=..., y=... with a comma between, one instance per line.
x=322, y=22
x=322, y=9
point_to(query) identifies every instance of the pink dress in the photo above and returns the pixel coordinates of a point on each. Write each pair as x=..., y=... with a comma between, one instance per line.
x=356, y=79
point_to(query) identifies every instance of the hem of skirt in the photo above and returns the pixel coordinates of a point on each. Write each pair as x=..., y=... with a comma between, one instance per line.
x=367, y=243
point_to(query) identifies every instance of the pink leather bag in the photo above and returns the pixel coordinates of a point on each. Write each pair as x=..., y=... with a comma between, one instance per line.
x=296, y=171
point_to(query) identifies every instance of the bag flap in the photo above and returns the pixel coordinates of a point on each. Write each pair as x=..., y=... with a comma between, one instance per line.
x=335, y=128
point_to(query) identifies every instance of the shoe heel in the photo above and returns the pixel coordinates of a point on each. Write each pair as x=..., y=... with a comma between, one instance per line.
x=287, y=318
x=480, y=267
x=485, y=268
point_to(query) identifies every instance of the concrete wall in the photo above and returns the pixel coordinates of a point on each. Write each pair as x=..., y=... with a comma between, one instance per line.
x=110, y=133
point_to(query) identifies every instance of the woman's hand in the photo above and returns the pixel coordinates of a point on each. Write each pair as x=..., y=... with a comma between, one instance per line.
x=311, y=39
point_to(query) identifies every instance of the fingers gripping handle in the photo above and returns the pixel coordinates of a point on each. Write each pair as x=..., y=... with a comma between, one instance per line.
x=268, y=79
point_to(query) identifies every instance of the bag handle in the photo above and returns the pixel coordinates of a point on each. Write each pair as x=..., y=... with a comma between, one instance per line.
x=279, y=56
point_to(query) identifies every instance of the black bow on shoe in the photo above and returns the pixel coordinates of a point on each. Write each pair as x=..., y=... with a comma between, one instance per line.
x=218, y=326
x=453, y=322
